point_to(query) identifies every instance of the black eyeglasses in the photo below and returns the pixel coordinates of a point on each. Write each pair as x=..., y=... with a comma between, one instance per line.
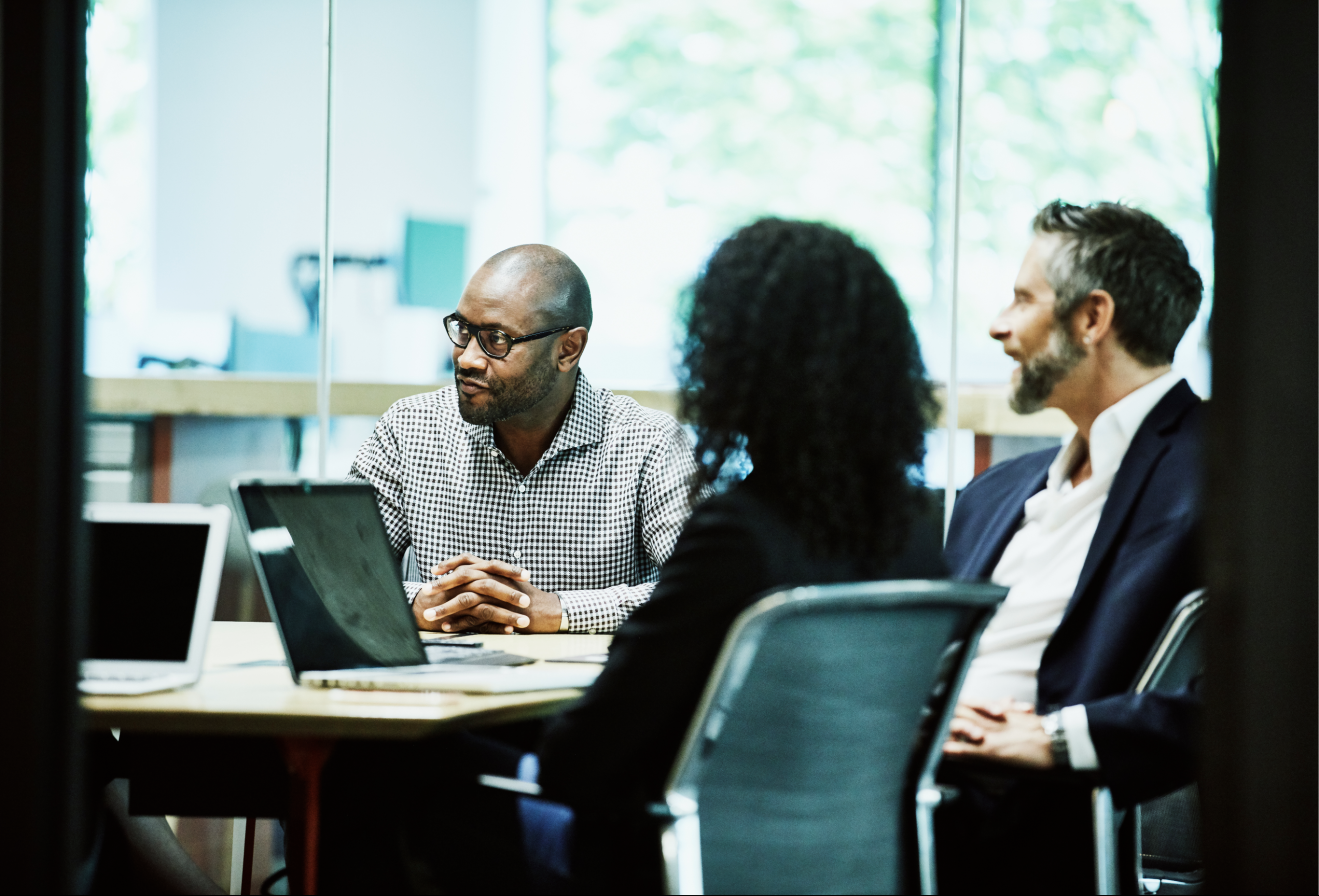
x=495, y=343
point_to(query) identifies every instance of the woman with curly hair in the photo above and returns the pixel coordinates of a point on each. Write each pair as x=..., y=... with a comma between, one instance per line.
x=800, y=350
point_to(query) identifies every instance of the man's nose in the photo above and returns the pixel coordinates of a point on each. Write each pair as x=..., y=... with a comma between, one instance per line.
x=999, y=328
x=470, y=357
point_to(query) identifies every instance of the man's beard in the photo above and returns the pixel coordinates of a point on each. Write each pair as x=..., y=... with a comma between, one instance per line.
x=505, y=399
x=1040, y=374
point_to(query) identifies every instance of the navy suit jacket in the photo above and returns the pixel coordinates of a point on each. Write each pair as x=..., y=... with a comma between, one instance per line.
x=1145, y=557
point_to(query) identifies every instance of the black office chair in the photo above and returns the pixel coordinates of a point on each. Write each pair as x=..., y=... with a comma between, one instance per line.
x=809, y=765
x=1170, y=855
x=1167, y=829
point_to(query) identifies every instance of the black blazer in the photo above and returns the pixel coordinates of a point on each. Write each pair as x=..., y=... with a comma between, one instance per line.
x=1145, y=557
x=612, y=752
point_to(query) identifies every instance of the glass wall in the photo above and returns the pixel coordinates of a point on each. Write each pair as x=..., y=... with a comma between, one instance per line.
x=206, y=183
x=634, y=135
x=673, y=123
x=1083, y=102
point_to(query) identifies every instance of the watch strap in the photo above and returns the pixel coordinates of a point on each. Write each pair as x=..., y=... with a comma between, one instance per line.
x=1053, y=727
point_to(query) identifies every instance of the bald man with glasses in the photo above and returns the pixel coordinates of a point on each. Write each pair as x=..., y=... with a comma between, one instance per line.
x=537, y=502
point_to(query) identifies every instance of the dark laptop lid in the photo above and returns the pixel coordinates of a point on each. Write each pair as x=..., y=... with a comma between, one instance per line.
x=329, y=575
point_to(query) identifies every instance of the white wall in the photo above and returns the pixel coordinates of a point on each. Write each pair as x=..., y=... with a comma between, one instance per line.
x=237, y=137
x=404, y=101
x=238, y=140
x=511, y=108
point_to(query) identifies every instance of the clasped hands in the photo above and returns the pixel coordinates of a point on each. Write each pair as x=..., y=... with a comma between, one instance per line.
x=471, y=594
x=1005, y=731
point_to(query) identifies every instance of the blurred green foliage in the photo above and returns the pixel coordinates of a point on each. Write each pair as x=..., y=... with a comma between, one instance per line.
x=728, y=110
x=752, y=94
x=1083, y=102
x=825, y=109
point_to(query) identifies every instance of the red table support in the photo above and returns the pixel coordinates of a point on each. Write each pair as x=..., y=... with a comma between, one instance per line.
x=305, y=758
x=249, y=844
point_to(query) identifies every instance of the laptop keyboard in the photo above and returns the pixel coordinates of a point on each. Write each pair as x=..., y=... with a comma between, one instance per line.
x=128, y=676
x=475, y=656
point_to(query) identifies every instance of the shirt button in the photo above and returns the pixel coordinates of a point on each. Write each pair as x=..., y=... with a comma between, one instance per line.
x=522, y=488
x=494, y=451
x=517, y=555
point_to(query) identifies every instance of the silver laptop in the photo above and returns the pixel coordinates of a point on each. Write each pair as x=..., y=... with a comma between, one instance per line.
x=333, y=586
x=154, y=577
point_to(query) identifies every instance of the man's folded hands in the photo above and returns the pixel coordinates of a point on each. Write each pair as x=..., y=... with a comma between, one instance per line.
x=1006, y=731
x=471, y=594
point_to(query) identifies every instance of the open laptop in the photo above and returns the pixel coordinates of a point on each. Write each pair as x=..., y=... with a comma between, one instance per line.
x=155, y=575
x=333, y=586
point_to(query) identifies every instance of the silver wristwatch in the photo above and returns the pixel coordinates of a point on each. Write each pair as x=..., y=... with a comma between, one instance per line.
x=1053, y=727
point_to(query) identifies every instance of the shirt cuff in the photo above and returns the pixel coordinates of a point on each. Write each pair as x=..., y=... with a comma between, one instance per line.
x=1076, y=727
x=604, y=609
x=587, y=611
x=411, y=589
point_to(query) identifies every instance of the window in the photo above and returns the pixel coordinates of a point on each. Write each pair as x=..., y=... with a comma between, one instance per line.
x=633, y=134
x=673, y=123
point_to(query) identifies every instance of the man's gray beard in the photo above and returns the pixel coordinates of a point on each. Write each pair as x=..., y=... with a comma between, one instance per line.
x=1041, y=374
x=508, y=399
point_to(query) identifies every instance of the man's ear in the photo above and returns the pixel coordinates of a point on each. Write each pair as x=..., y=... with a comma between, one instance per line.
x=571, y=346
x=1093, y=319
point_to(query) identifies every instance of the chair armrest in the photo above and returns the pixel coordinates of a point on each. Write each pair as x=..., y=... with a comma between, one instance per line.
x=512, y=785
x=937, y=795
x=676, y=805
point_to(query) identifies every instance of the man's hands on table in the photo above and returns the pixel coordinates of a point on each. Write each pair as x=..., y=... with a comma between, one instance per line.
x=490, y=597
x=1007, y=731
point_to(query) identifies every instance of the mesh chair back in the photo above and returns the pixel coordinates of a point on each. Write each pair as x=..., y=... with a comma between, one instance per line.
x=1170, y=845
x=828, y=706
x=1178, y=654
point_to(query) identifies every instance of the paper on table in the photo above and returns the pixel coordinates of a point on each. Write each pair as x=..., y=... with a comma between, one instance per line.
x=468, y=678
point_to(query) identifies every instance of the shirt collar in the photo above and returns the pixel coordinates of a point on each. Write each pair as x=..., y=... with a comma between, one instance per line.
x=584, y=424
x=1112, y=432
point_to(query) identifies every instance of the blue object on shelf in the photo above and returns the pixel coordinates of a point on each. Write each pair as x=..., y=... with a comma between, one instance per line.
x=256, y=351
x=433, y=258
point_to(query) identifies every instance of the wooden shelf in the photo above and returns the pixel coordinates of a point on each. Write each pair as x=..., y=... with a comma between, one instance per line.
x=983, y=409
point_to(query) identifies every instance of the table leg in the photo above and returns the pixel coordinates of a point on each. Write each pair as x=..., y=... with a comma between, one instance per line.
x=162, y=457
x=240, y=863
x=249, y=846
x=305, y=758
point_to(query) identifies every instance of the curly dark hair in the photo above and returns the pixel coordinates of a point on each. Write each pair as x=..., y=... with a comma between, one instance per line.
x=799, y=347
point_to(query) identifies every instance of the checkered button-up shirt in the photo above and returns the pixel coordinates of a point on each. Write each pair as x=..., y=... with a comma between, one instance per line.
x=593, y=521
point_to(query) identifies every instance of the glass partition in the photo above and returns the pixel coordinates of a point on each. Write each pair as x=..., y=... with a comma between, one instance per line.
x=1084, y=102
x=673, y=123
x=633, y=135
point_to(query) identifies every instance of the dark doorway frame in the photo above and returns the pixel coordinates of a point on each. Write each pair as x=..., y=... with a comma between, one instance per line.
x=1260, y=777
x=43, y=130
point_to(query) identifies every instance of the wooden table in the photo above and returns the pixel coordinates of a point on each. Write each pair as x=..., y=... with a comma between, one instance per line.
x=246, y=689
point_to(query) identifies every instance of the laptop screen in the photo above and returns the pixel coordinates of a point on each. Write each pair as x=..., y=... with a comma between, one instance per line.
x=144, y=584
x=330, y=575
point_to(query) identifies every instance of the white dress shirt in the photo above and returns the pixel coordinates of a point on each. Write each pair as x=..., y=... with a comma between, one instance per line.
x=1041, y=564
